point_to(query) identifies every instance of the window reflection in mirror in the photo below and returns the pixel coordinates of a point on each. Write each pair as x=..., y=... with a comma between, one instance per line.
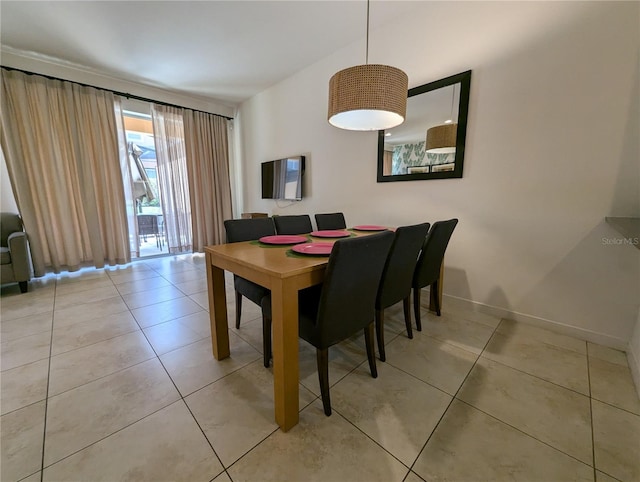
x=429, y=144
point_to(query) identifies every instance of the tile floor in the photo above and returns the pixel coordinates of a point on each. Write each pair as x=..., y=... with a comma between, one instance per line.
x=108, y=375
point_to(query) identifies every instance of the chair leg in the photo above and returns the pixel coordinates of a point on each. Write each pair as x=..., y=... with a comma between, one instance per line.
x=406, y=305
x=266, y=340
x=238, y=309
x=380, y=333
x=416, y=308
x=434, y=296
x=371, y=352
x=323, y=376
x=24, y=286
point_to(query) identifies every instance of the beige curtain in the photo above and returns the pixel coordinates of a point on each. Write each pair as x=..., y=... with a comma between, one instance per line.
x=61, y=149
x=207, y=149
x=173, y=179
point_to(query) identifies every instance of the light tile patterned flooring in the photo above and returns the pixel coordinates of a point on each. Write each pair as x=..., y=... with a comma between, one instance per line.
x=108, y=375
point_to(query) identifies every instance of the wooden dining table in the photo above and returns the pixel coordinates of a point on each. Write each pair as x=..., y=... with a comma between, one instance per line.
x=284, y=273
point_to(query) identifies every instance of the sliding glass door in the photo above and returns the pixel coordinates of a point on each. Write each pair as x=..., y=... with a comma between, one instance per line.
x=150, y=239
x=174, y=165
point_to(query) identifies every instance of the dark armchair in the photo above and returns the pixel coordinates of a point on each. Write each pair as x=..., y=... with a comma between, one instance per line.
x=15, y=257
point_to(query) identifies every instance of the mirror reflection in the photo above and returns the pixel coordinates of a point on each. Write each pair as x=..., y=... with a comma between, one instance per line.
x=429, y=144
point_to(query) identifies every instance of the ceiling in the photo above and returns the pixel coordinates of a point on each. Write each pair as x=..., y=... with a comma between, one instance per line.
x=225, y=50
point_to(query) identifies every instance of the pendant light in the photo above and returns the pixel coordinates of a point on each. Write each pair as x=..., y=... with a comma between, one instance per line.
x=368, y=97
x=442, y=139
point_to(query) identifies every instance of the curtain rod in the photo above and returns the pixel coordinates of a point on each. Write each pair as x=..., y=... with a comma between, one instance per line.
x=122, y=94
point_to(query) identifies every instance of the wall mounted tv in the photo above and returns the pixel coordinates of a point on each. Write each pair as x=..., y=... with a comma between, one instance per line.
x=282, y=178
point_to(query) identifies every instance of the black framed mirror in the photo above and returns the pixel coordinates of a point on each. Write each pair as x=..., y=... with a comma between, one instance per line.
x=430, y=143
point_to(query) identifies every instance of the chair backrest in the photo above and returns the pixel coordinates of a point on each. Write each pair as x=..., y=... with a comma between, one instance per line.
x=432, y=254
x=293, y=224
x=330, y=221
x=347, y=300
x=239, y=230
x=397, y=276
x=9, y=223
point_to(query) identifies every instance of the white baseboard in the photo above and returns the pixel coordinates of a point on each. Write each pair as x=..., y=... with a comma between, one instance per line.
x=564, y=329
x=634, y=365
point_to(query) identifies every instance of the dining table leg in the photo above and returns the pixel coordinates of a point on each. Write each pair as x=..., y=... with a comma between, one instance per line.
x=217, y=310
x=284, y=315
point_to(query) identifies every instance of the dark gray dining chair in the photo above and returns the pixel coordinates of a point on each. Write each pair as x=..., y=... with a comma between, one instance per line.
x=427, y=271
x=293, y=224
x=344, y=303
x=328, y=221
x=239, y=230
x=395, y=284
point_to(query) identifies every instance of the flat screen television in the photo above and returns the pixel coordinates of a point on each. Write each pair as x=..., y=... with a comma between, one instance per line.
x=282, y=178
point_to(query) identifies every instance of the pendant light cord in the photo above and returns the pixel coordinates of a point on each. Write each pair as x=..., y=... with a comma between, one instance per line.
x=366, y=58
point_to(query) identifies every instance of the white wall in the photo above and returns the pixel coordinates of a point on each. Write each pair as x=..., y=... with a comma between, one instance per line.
x=551, y=150
x=633, y=354
x=7, y=199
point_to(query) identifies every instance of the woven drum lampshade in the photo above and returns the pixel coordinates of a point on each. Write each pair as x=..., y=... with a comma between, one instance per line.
x=442, y=139
x=368, y=97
